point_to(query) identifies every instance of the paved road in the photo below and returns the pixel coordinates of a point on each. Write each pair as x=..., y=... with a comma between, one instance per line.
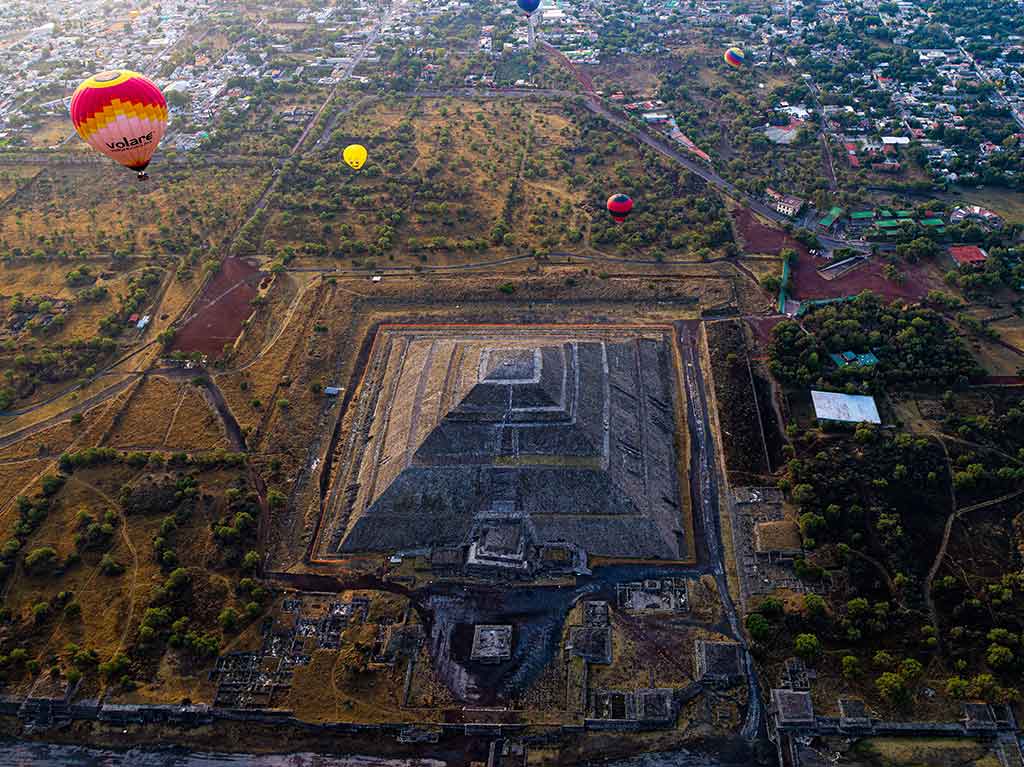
x=704, y=477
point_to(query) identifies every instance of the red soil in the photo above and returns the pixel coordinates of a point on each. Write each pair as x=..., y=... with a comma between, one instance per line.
x=761, y=238
x=221, y=309
x=762, y=328
x=808, y=284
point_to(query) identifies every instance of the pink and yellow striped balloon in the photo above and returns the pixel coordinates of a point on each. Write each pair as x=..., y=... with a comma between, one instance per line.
x=122, y=115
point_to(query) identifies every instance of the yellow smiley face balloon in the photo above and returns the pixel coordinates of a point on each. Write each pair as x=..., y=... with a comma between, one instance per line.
x=355, y=155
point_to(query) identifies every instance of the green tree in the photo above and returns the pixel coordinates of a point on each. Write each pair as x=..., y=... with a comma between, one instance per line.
x=892, y=688
x=759, y=627
x=851, y=667
x=807, y=646
x=42, y=561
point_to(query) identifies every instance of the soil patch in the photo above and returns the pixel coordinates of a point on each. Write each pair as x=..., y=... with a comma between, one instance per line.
x=808, y=284
x=221, y=310
x=761, y=238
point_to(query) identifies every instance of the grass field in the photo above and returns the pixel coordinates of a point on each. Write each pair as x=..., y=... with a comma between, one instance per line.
x=114, y=605
x=86, y=208
x=918, y=752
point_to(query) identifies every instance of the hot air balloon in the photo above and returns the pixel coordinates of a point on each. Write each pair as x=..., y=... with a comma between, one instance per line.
x=619, y=205
x=528, y=6
x=355, y=155
x=735, y=58
x=120, y=114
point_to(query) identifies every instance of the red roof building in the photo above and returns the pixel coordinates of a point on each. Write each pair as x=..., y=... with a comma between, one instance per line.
x=968, y=255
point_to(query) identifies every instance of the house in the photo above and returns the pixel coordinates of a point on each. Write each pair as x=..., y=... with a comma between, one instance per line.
x=655, y=118
x=862, y=218
x=786, y=204
x=968, y=255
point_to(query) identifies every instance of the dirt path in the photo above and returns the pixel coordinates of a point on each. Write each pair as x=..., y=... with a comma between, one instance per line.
x=174, y=416
x=893, y=591
x=6, y=508
x=289, y=314
x=933, y=613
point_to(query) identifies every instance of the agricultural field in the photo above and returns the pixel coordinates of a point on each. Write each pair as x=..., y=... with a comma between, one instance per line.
x=454, y=180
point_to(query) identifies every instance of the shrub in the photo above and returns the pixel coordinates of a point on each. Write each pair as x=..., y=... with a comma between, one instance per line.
x=110, y=566
x=42, y=561
x=228, y=619
x=851, y=667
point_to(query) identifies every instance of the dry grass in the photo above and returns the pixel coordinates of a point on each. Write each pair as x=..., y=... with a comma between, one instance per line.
x=144, y=421
x=333, y=688
x=13, y=477
x=763, y=267
x=105, y=600
x=85, y=206
x=13, y=176
x=465, y=155
x=935, y=752
x=997, y=360
x=113, y=606
x=261, y=377
x=1011, y=331
x=196, y=425
x=50, y=133
x=1006, y=203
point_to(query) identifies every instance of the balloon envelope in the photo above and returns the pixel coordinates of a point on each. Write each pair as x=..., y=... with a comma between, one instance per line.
x=619, y=205
x=734, y=57
x=355, y=155
x=122, y=115
x=529, y=5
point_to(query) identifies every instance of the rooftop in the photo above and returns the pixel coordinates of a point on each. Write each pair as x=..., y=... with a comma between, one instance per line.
x=718, y=661
x=851, y=408
x=968, y=255
x=793, y=708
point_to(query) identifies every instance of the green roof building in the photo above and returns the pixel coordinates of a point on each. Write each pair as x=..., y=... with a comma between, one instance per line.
x=933, y=222
x=904, y=214
x=831, y=218
x=889, y=223
x=862, y=215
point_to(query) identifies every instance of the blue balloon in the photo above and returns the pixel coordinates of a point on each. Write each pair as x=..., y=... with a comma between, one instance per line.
x=529, y=5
